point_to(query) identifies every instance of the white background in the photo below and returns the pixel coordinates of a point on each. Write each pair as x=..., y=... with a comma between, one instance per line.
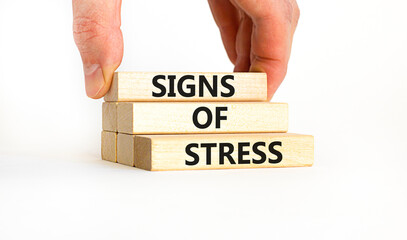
x=346, y=85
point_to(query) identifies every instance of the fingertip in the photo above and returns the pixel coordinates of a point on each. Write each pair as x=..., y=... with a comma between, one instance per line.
x=232, y=56
x=242, y=64
x=270, y=93
x=274, y=77
x=256, y=68
x=98, y=80
x=94, y=80
x=108, y=73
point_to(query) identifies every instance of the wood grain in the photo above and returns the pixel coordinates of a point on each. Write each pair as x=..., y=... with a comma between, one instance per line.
x=168, y=152
x=109, y=146
x=138, y=86
x=166, y=118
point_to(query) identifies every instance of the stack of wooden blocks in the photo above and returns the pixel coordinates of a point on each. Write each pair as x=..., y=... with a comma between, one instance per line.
x=180, y=121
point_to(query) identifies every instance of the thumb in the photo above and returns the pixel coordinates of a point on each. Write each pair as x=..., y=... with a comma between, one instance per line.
x=97, y=34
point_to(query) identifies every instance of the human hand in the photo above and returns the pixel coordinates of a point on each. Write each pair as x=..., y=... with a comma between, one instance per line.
x=97, y=34
x=257, y=35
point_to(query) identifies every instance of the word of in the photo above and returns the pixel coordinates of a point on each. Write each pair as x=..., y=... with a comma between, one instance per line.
x=209, y=117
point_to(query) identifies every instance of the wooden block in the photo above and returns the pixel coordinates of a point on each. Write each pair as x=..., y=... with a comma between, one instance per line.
x=165, y=118
x=125, y=149
x=109, y=116
x=217, y=151
x=109, y=146
x=187, y=86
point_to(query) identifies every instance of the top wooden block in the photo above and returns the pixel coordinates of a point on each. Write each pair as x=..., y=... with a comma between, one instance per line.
x=187, y=86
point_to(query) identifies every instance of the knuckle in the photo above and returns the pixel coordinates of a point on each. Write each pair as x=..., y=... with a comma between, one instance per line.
x=86, y=29
x=295, y=12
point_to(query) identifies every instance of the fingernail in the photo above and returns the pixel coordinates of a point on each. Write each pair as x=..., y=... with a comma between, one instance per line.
x=254, y=68
x=94, y=80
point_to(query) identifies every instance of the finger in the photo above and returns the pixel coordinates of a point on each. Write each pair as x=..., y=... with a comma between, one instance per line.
x=273, y=28
x=271, y=47
x=227, y=20
x=243, y=44
x=97, y=34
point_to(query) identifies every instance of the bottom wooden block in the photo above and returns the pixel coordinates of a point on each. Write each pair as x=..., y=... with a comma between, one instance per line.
x=125, y=149
x=109, y=146
x=215, y=151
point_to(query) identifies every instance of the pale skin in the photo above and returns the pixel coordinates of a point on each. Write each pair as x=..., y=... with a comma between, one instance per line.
x=257, y=36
